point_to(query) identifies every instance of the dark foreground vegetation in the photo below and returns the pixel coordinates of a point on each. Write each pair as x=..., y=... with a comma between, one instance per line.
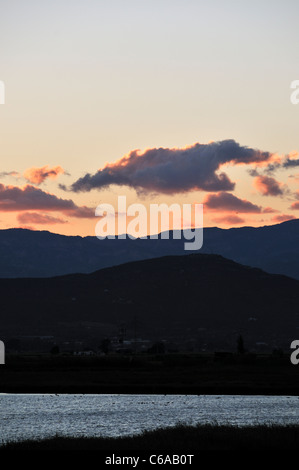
x=218, y=373
x=179, y=439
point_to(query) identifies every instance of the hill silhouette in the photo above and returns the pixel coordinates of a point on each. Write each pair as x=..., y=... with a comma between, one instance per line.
x=26, y=253
x=204, y=299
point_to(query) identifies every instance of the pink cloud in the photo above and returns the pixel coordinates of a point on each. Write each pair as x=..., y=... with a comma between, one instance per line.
x=268, y=186
x=282, y=218
x=37, y=218
x=38, y=175
x=28, y=198
x=224, y=201
x=269, y=210
x=229, y=220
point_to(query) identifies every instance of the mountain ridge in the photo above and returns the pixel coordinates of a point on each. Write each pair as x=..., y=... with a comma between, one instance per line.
x=26, y=253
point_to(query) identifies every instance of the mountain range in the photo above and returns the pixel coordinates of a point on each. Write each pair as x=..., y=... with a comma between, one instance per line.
x=26, y=253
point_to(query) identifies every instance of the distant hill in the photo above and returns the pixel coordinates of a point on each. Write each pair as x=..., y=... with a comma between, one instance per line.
x=205, y=300
x=25, y=253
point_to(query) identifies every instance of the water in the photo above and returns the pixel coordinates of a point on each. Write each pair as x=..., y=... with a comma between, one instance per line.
x=39, y=416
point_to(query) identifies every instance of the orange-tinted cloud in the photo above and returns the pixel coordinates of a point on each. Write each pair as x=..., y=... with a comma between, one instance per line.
x=295, y=205
x=228, y=202
x=170, y=171
x=268, y=186
x=13, y=198
x=41, y=219
x=26, y=227
x=282, y=218
x=38, y=175
x=229, y=220
x=269, y=210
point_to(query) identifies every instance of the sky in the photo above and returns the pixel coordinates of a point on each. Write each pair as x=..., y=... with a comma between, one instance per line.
x=163, y=101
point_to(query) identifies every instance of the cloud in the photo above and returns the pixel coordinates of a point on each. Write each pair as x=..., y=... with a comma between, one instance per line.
x=42, y=219
x=169, y=171
x=253, y=172
x=27, y=227
x=82, y=212
x=288, y=163
x=38, y=175
x=3, y=174
x=269, y=210
x=282, y=218
x=229, y=220
x=228, y=202
x=279, y=163
x=13, y=198
x=295, y=205
x=268, y=186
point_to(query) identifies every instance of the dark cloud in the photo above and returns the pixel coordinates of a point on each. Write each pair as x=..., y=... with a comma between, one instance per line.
x=163, y=170
x=13, y=198
x=283, y=163
x=253, y=172
x=268, y=186
x=228, y=202
x=289, y=163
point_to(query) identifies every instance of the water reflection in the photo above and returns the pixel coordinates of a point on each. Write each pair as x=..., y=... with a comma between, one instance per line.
x=36, y=416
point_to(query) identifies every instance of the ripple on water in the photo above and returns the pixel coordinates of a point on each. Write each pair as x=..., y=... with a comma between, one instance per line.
x=37, y=416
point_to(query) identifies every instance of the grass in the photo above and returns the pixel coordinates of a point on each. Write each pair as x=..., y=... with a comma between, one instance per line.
x=180, y=438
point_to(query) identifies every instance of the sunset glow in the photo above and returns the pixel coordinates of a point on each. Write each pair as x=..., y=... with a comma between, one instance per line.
x=171, y=114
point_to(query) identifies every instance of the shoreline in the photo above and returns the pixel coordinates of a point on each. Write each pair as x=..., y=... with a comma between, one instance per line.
x=177, y=439
x=142, y=391
x=173, y=374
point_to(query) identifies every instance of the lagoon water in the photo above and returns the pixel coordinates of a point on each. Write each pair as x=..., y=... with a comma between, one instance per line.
x=39, y=416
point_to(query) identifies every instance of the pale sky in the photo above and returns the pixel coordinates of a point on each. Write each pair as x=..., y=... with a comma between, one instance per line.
x=87, y=82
